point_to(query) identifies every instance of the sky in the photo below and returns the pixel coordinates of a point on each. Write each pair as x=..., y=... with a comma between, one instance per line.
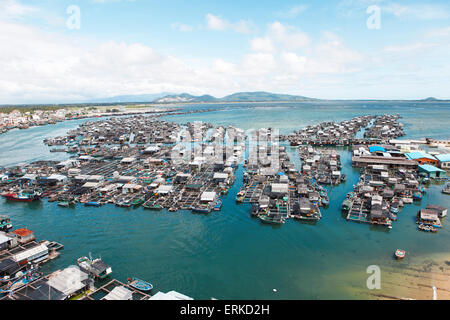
x=58, y=51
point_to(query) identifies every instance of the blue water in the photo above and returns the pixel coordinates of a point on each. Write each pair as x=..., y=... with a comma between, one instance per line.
x=227, y=254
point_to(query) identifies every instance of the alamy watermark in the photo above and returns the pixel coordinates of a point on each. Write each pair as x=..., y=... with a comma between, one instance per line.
x=74, y=20
x=374, y=20
x=374, y=280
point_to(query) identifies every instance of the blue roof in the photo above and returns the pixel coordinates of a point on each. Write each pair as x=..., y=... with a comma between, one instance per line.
x=430, y=168
x=418, y=155
x=443, y=157
x=376, y=148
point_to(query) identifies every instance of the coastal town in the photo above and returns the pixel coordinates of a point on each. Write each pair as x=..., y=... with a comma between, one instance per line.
x=140, y=160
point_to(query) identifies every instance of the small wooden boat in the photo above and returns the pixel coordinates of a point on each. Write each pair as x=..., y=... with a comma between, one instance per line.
x=400, y=254
x=92, y=204
x=218, y=205
x=65, y=204
x=154, y=206
x=139, y=284
x=201, y=209
x=173, y=209
x=5, y=223
x=426, y=228
x=446, y=190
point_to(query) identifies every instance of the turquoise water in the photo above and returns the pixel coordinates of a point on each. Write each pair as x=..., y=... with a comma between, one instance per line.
x=227, y=254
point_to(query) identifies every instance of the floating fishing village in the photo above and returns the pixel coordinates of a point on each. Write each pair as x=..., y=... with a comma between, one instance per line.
x=142, y=161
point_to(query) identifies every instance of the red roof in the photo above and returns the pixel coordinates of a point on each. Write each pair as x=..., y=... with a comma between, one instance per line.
x=23, y=232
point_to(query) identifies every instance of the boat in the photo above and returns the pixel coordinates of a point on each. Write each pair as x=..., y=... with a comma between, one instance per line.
x=218, y=205
x=65, y=204
x=394, y=208
x=139, y=284
x=21, y=196
x=426, y=228
x=417, y=196
x=271, y=218
x=254, y=210
x=400, y=254
x=92, y=204
x=346, y=205
x=173, y=209
x=154, y=206
x=446, y=190
x=94, y=267
x=343, y=178
x=240, y=196
x=325, y=201
x=136, y=203
x=201, y=209
x=5, y=223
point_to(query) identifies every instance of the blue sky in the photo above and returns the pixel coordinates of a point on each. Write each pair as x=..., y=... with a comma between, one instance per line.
x=321, y=49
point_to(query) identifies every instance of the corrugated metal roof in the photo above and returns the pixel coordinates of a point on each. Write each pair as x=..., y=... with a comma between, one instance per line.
x=430, y=168
x=419, y=155
x=443, y=157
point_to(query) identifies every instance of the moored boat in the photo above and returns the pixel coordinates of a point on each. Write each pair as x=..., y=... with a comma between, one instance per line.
x=139, y=284
x=400, y=254
x=21, y=196
x=218, y=205
x=95, y=267
x=5, y=223
x=346, y=205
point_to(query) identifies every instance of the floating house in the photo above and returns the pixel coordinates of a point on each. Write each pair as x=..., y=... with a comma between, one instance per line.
x=429, y=217
x=422, y=158
x=432, y=171
x=444, y=160
x=24, y=235
x=442, y=211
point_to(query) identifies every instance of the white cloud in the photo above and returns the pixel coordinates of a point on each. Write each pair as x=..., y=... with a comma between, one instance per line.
x=417, y=11
x=262, y=44
x=182, y=27
x=287, y=36
x=217, y=23
x=293, y=11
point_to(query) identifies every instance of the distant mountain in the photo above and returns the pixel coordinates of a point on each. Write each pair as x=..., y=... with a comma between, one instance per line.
x=263, y=96
x=430, y=99
x=235, y=97
x=132, y=98
x=185, y=97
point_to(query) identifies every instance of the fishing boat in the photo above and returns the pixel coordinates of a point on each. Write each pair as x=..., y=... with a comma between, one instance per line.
x=240, y=196
x=94, y=267
x=92, y=204
x=66, y=204
x=218, y=205
x=21, y=196
x=254, y=210
x=139, y=284
x=446, y=190
x=153, y=206
x=5, y=223
x=201, y=209
x=400, y=254
x=136, y=203
x=394, y=208
x=417, y=196
x=272, y=218
x=346, y=205
x=325, y=201
x=426, y=228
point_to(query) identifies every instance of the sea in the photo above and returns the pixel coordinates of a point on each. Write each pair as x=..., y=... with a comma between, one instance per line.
x=228, y=254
